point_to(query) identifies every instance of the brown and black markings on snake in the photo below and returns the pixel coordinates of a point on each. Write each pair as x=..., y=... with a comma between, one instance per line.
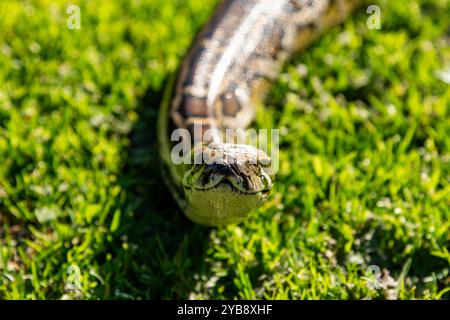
x=225, y=98
x=226, y=72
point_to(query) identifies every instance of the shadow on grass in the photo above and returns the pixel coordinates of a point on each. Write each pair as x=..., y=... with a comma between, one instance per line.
x=156, y=251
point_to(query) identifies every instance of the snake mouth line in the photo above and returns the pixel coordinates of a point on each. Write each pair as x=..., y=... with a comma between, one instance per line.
x=227, y=184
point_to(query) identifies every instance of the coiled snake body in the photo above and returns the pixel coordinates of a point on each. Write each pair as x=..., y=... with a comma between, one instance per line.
x=220, y=82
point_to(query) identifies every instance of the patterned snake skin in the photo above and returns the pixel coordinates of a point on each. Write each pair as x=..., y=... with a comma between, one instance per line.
x=232, y=61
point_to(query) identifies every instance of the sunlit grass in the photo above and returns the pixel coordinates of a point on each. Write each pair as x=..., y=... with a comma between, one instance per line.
x=363, y=175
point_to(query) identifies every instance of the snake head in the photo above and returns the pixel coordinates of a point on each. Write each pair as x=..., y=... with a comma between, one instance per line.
x=226, y=182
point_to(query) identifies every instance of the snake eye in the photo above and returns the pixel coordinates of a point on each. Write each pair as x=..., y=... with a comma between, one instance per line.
x=301, y=4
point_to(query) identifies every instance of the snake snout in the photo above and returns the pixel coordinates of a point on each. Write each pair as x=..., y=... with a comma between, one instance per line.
x=228, y=184
x=245, y=168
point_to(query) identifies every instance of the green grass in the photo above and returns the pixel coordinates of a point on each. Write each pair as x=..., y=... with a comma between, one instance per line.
x=364, y=177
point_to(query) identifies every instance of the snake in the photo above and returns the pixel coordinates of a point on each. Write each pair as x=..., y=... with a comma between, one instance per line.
x=223, y=79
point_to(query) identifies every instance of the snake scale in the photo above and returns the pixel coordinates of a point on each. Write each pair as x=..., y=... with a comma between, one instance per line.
x=222, y=79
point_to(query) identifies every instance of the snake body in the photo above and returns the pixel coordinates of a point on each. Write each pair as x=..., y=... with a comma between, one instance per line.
x=224, y=76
